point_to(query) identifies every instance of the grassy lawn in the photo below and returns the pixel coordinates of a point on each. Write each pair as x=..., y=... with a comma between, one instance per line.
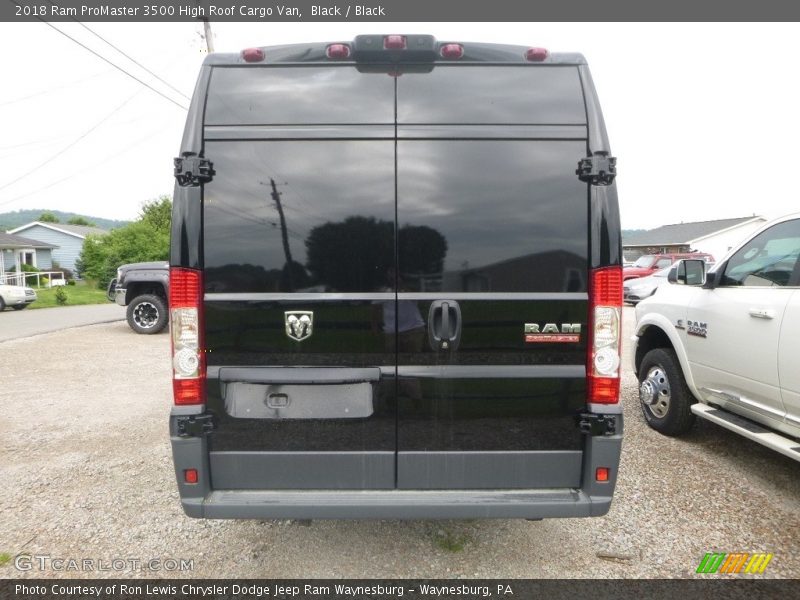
x=80, y=293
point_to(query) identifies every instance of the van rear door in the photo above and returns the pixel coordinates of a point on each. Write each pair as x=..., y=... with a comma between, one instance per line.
x=299, y=228
x=493, y=252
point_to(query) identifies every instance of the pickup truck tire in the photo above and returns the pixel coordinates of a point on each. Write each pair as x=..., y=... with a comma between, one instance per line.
x=663, y=394
x=147, y=314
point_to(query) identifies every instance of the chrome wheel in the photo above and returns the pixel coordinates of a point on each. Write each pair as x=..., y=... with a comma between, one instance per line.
x=145, y=315
x=655, y=393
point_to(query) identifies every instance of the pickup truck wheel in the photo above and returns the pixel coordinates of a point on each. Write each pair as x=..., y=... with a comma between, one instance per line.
x=147, y=314
x=663, y=394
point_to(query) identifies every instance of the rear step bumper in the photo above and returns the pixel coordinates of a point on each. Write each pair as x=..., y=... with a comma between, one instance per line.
x=591, y=498
x=396, y=504
x=749, y=429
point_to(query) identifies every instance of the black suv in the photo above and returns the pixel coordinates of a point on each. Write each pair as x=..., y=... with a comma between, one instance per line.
x=395, y=285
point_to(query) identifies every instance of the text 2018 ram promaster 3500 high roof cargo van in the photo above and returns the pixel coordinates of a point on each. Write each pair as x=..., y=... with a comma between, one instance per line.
x=395, y=285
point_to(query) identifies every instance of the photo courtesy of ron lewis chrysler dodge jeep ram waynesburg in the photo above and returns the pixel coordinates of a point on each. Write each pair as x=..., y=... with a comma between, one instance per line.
x=724, y=345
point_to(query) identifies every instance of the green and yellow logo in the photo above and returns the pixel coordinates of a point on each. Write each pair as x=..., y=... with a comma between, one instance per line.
x=735, y=562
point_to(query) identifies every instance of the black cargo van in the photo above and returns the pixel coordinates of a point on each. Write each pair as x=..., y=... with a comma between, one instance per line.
x=395, y=285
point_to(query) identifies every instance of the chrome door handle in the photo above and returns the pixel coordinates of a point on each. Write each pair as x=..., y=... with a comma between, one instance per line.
x=762, y=313
x=444, y=325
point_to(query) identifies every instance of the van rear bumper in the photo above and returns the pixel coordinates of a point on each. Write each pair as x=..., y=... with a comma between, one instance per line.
x=396, y=504
x=591, y=499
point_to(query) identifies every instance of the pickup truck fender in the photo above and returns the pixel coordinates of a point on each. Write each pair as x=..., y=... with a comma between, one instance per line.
x=135, y=280
x=668, y=328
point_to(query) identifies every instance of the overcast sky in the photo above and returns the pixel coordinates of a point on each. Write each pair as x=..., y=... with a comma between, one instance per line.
x=703, y=118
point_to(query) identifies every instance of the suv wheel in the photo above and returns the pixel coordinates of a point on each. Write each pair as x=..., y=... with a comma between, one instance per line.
x=663, y=394
x=147, y=314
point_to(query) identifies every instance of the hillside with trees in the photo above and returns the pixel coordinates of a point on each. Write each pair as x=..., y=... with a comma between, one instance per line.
x=14, y=219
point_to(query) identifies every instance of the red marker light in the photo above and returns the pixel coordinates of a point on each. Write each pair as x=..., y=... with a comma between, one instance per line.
x=338, y=51
x=602, y=474
x=452, y=51
x=537, y=54
x=394, y=42
x=253, y=55
x=190, y=475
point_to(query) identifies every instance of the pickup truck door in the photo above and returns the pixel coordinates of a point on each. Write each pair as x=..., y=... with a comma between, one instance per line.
x=788, y=351
x=733, y=331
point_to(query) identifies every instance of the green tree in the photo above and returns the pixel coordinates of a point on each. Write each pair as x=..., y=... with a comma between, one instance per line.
x=80, y=221
x=48, y=217
x=146, y=239
x=157, y=213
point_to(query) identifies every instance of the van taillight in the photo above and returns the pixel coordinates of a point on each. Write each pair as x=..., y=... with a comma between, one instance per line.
x=338, y=51
x=253, y=55
x=452, y=51
x=536, y=54
x=394, y=42
x=605, y=306
x=186, y=329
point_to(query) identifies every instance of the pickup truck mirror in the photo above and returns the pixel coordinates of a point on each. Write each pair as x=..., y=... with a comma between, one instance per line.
x=688, y=272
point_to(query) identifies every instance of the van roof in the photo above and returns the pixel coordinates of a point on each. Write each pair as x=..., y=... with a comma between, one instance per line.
x=420, y=49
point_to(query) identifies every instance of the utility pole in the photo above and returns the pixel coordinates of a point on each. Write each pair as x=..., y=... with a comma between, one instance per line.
x=207, y=30
x=276, y=196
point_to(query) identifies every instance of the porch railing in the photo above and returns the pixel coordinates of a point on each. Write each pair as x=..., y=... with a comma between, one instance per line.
x=26, y=278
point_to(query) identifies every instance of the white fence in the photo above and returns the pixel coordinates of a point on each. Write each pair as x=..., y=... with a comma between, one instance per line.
x=54, y=278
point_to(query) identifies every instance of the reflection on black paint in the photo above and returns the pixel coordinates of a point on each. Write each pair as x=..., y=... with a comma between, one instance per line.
x=513, y=213
x=306, y=96
x=509, y=95
x=337, y=197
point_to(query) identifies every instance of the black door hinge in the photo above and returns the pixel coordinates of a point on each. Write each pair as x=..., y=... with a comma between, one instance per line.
x=195, y=425
x=592, y=424
x=192, y=170
x=599, y=169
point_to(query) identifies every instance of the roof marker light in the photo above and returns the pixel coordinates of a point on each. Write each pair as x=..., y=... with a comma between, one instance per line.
x=537, y=54
x=338, y=51
x=451, y=51
x=253, y=54
x=394, y=42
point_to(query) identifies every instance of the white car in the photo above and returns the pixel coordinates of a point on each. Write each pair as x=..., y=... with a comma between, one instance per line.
x=16, y=296
x=637, y=289
x=724, y=345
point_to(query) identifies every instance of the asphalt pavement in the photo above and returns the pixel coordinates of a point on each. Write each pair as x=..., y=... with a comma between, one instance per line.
x=15, y=324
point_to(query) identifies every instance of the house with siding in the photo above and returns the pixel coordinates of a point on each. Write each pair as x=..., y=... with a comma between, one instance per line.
x=714, y=237
x=16, y=251
x=66, y=239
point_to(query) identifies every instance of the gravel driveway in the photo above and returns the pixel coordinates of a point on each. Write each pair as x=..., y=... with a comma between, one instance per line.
x=87, y=473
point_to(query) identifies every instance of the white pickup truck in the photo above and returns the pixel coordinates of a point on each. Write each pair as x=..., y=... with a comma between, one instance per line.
x=725, y=345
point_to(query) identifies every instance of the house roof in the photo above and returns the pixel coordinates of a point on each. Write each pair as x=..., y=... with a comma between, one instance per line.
x=8, y=240
x=79, y=231
x=685, y=233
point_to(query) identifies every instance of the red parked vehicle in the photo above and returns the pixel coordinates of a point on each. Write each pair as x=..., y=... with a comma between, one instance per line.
x=650, y=263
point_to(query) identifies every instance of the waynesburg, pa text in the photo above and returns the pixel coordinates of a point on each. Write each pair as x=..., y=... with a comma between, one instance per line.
x=260, y=591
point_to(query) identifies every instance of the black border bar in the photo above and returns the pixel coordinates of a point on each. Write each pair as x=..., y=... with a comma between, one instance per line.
x=267, y=11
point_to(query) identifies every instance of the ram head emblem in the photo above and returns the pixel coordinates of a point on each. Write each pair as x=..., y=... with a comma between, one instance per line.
x=299, y=324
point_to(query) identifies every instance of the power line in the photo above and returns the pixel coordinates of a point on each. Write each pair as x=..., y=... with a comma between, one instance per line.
x=127, y=148
x=50, y=90
x=70, y=145
x=104, y=59
x=129, y=57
